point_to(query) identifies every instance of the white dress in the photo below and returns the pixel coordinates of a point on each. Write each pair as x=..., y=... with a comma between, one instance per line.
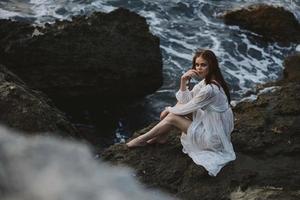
x=207, y=140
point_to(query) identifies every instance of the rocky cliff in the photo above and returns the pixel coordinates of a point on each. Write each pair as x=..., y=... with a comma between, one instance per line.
x=272, y=23
x=29, y=110
x=90, y=67
x=267, y=141
x=92, y=60
x=266, y=137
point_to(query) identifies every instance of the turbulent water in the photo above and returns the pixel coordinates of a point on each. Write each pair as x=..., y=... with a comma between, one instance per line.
x=182, y=26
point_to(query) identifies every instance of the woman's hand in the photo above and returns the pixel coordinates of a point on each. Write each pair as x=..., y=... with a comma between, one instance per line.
x=189, y=74
x=163, y=114
x=186, y=76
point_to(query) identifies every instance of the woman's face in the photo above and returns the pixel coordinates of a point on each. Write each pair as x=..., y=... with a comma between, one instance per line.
x=201, y=66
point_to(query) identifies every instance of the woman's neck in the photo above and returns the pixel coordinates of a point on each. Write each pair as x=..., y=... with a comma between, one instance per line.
x=213, y=78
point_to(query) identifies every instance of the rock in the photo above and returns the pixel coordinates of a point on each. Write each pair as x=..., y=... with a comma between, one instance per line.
x=47, y=168
x=291, y=68
x=266, y=139
x=100, y=59
x=11, y=31
x=271, y=124
x=29, y=110
x=266, y=193
x=273, y=23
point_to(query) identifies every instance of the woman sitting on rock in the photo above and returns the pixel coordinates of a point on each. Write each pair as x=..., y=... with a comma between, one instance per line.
x=203, y=114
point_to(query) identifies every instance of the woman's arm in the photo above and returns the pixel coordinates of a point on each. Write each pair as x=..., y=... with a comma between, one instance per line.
x=201, y=100
x=165, y=112
x=184, y=95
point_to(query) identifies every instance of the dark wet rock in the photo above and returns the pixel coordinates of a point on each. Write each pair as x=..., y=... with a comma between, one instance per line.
x=29, y=110
x=266, y=193
x=93, y=60
x=266, y=139
x=271, y=124
x=11, y=31
x=292, y=68
x=273, y=23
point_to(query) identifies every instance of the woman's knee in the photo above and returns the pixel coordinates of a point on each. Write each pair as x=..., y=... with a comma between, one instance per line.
x=171, y=118
x=178, y=121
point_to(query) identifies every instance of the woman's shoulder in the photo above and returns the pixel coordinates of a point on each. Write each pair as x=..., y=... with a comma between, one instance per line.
x=215, y=85
x=208, y=88
x=200, y=84
x=205, y=89
x=212, y=88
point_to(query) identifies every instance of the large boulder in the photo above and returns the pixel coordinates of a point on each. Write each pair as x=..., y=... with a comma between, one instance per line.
x=29, y=110
x=266, y=139
x=102, y=58
x=273, y=23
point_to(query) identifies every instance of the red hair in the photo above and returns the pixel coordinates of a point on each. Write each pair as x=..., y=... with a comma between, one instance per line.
x=213, y=69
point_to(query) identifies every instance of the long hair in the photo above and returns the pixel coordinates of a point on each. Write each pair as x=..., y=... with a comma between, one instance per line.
x=213, y=69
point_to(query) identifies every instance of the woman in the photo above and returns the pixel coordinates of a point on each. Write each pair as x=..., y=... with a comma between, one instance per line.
x=206, y=134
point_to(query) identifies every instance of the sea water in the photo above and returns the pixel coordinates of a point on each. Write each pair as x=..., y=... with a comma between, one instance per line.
x=182, y=26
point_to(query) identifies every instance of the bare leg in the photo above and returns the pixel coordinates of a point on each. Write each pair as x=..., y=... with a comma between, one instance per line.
x=163, y=127
x=162, y=138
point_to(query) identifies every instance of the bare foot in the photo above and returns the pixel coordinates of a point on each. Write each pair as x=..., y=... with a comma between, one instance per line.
x=162, y=139
x=136, y=142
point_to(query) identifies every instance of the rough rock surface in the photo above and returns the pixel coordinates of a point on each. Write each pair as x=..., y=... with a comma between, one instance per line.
x=29, y=110
x=96, y=59
x=273, y=23
x=267, y=142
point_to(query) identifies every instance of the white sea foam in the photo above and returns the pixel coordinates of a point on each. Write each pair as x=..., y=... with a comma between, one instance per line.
x=5, y=14
x=171, y=51
x=269, y=90
x=153, y=21
x=183, y=26
x=176, y=64
x=183, y=43
x=254, y=97
x=102, y=7
x=250, y=98
x=45, y=8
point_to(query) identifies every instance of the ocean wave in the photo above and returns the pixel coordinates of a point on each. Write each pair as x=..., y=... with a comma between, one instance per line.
x=184, y=26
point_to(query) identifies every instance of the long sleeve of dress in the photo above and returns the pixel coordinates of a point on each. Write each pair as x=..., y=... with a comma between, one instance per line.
x=184, y=96
x=200, y=100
